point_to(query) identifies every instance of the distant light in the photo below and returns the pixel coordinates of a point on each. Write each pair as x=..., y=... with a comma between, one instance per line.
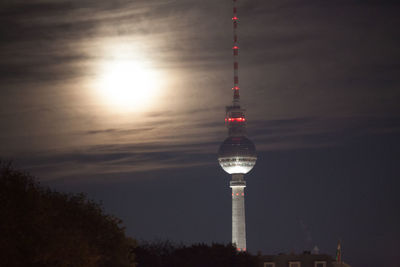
x=236, y=88
x=235, y=47
x=235, y=18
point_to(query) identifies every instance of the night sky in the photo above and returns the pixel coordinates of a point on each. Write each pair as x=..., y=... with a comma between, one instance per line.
x=320, y=81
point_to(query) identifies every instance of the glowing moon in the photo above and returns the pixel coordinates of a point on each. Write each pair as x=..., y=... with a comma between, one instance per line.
x=128, y=85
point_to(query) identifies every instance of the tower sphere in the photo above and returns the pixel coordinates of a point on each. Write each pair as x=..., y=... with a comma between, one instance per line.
x=237, y=155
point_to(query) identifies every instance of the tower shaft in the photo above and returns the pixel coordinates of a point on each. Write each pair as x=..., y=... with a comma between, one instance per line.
x=238, y=212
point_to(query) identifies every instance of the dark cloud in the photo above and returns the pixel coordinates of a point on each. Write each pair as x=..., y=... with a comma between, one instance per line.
x=118, y=159
x=319, y=132
x=119, y=131
x=274, y=135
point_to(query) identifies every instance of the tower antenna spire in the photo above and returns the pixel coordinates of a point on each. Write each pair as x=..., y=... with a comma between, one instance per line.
x=235, y=49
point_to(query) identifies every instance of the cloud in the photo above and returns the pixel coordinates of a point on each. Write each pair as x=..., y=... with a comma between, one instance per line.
x=304, y=133
x=118, y=159
x=186, y=150
x=309, y=78
x=119, y=131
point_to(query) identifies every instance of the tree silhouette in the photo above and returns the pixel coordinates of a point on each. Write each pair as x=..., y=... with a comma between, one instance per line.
x=166, y=254
x=41, y=227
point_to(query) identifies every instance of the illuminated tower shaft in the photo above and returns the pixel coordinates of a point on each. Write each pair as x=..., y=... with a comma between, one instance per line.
x=238, y=212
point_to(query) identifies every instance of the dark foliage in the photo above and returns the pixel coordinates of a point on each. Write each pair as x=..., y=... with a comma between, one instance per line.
x=41, y=227
x=166, y=254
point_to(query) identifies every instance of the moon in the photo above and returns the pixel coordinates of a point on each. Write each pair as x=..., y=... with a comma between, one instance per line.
x=128, y=85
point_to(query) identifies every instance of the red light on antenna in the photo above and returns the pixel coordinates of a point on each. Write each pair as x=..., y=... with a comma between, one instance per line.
x=235, y=88
x=235, y=47
x=236, y=119
x=235, y=18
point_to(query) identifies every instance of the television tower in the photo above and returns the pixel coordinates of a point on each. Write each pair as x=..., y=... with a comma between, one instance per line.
x=237, y=154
